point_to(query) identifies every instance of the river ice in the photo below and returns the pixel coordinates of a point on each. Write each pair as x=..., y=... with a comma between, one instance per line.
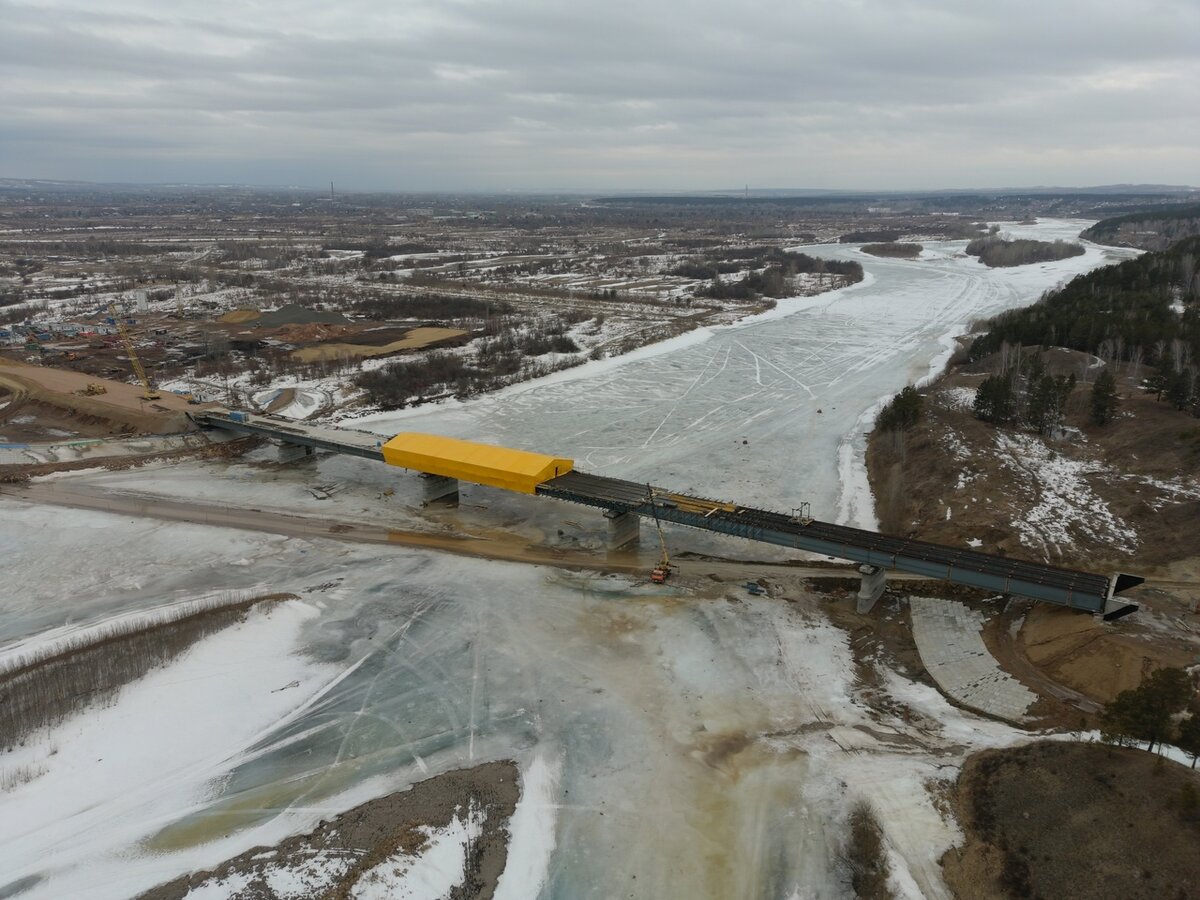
x=771, y=411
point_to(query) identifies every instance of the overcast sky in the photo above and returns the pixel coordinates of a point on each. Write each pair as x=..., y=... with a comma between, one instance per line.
x=614, y=95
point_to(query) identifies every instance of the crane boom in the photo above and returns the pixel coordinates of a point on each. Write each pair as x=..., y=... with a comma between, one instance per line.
x=148, y=391
x=662, y=571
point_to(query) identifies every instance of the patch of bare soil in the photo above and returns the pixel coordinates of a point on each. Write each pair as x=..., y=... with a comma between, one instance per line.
x=1095, y=658
x=375, y=832
x=414, y=339
x=121, y=405
x=1060, y=819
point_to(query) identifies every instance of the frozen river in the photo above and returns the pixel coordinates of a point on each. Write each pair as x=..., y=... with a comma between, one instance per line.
x=771, y=411
x=677, y=745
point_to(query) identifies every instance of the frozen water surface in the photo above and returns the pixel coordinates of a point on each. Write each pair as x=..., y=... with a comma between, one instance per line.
x=671, y=745
x=771, y=411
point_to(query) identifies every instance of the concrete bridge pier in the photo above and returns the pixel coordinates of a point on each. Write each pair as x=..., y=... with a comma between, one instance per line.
x=439, y=489
x=285, y=452
x=624, y=529
x=874, y=580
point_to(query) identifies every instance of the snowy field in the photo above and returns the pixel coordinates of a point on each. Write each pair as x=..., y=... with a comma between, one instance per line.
x=668, y=749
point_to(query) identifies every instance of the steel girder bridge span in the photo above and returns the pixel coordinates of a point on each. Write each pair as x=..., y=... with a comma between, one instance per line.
x=444, y=462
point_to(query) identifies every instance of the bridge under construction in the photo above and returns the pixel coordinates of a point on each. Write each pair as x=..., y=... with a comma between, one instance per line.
x=444, y=462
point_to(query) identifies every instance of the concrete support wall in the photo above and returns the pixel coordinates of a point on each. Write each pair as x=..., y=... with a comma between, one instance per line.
x=874, y=580
x=439, y=489
x=624, y=529
x=291, y=452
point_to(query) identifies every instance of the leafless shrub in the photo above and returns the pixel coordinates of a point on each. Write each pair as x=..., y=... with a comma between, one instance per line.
x=19, y=775
x=865, y=856
x=46, y=685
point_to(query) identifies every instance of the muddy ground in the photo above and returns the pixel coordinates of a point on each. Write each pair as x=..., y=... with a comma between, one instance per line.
x=1061, y=819
x=373, y=833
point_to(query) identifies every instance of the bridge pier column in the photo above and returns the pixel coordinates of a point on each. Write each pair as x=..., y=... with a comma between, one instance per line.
x=624, y=529
x=285, y=452
x=439, y=489
x=873, y=581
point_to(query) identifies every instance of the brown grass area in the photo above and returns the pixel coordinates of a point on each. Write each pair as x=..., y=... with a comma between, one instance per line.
x=865, y=855
x=917, y=479
x=1061, y=819
x=416, y=339
x=950, y=460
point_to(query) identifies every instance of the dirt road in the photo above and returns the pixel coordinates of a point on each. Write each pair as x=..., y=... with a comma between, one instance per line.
x=507, y=550
x=514, y=550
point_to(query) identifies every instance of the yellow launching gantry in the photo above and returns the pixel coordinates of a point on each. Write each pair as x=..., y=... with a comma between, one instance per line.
x=148, y=390
x=444, y=462
x=502, y=467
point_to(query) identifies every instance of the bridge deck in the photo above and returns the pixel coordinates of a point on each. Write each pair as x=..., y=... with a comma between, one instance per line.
x=1066, y=587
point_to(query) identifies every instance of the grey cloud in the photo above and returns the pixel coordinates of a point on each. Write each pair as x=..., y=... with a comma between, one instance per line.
x=531, y=94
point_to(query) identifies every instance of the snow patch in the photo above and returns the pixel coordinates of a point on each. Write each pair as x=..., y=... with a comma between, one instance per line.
x=433, y=874
x=1065, y=502
x=532, y=828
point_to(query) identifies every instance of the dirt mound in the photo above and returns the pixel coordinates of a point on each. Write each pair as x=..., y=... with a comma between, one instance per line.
x=1058, y=819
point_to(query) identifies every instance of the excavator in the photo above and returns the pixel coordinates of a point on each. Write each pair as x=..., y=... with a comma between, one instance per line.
x=661, y=572
x=148, y=390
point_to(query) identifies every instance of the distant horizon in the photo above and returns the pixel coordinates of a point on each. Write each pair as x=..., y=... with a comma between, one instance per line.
x=1143, y=188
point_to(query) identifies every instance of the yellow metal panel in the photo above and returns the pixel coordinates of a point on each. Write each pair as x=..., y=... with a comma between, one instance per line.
x=513, y=470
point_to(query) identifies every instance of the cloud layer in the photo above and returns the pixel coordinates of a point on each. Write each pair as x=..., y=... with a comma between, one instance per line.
x=535, y=95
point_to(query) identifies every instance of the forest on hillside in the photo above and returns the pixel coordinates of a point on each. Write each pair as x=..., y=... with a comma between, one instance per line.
x=1155, y=229
x=1141, y=311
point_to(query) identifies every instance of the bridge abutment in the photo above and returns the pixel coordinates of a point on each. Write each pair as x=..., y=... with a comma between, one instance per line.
x=439, y=489
x=624, y=529
x=874, y=579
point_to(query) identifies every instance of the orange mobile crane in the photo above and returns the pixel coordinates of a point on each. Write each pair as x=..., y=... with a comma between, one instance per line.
x=148, y=390
x=660, y=573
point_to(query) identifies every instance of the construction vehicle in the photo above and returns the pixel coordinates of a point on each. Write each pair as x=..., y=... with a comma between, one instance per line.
x=93, y=389
x=661, y=572
x=148, y=391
